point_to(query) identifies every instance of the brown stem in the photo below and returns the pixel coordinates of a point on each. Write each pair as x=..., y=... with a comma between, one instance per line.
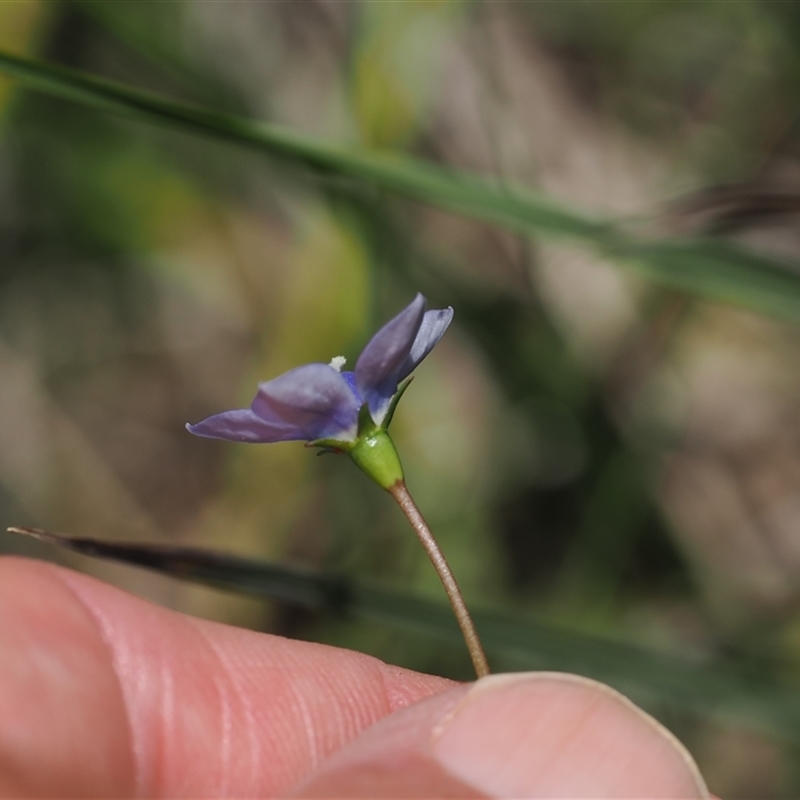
x=409, y=507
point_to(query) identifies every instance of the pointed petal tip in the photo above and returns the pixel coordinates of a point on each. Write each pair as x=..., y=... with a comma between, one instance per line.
x=242, y=425
x=434, y=324
x=387, y=350
x=444, y=315
x=198, y=430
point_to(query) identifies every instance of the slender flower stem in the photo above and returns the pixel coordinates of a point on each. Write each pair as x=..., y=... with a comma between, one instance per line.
x=409, y=507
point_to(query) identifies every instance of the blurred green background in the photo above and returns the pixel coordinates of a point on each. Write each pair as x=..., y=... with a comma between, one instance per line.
x=596, y=452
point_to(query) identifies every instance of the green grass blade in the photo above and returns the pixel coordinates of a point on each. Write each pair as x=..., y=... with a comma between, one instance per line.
x=511, y=642
x=719, y=270
x=427, y=182
x=706, y=268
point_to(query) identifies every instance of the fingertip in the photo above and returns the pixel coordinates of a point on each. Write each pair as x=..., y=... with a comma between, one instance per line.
x=522, y=735
x=560, y=735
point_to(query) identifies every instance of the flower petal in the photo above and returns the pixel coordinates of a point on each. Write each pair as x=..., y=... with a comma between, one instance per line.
x=380, y=362
x=315, y=400
x=242, y=425
x=433, y=326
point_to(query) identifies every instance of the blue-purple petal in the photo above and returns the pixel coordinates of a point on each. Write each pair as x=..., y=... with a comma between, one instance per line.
x=389, y=347
x=394, y=352
x=242, y=425
x=433, y=326
x=350, y=377
x=381, y=360
x=315, y=400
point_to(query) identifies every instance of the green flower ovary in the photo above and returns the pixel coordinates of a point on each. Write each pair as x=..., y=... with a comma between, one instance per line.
x=375, y=454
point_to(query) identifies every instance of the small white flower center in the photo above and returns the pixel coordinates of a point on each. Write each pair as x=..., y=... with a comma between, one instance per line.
x=337, y=362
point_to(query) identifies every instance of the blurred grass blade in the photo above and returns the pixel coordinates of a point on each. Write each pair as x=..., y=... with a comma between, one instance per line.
x=704, y=267
x=720, y=270
x=278, y=581
x=428, y=182
x=512, y=643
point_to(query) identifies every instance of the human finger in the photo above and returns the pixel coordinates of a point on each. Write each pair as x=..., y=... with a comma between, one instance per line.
x=523, y=735
x=102, y=693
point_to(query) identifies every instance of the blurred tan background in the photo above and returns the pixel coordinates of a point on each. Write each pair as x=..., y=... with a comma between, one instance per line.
x=591, y=450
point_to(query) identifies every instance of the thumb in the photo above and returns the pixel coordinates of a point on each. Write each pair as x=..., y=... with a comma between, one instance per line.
x=517, y=735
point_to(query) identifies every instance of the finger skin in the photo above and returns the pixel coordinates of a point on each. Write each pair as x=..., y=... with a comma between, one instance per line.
x=105, y=694
x=545, y=735
x=63, y=725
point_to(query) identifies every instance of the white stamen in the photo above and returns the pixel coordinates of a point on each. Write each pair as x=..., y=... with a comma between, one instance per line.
x=337, y=362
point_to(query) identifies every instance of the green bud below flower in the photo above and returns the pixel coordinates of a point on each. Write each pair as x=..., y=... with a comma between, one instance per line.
x=376, y=455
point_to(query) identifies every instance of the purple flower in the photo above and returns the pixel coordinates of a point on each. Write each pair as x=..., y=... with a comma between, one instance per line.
x=319, y=402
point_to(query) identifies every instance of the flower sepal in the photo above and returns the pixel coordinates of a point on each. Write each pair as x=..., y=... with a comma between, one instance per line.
x=331, y=445
x=366, y=425
x=395, y=400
